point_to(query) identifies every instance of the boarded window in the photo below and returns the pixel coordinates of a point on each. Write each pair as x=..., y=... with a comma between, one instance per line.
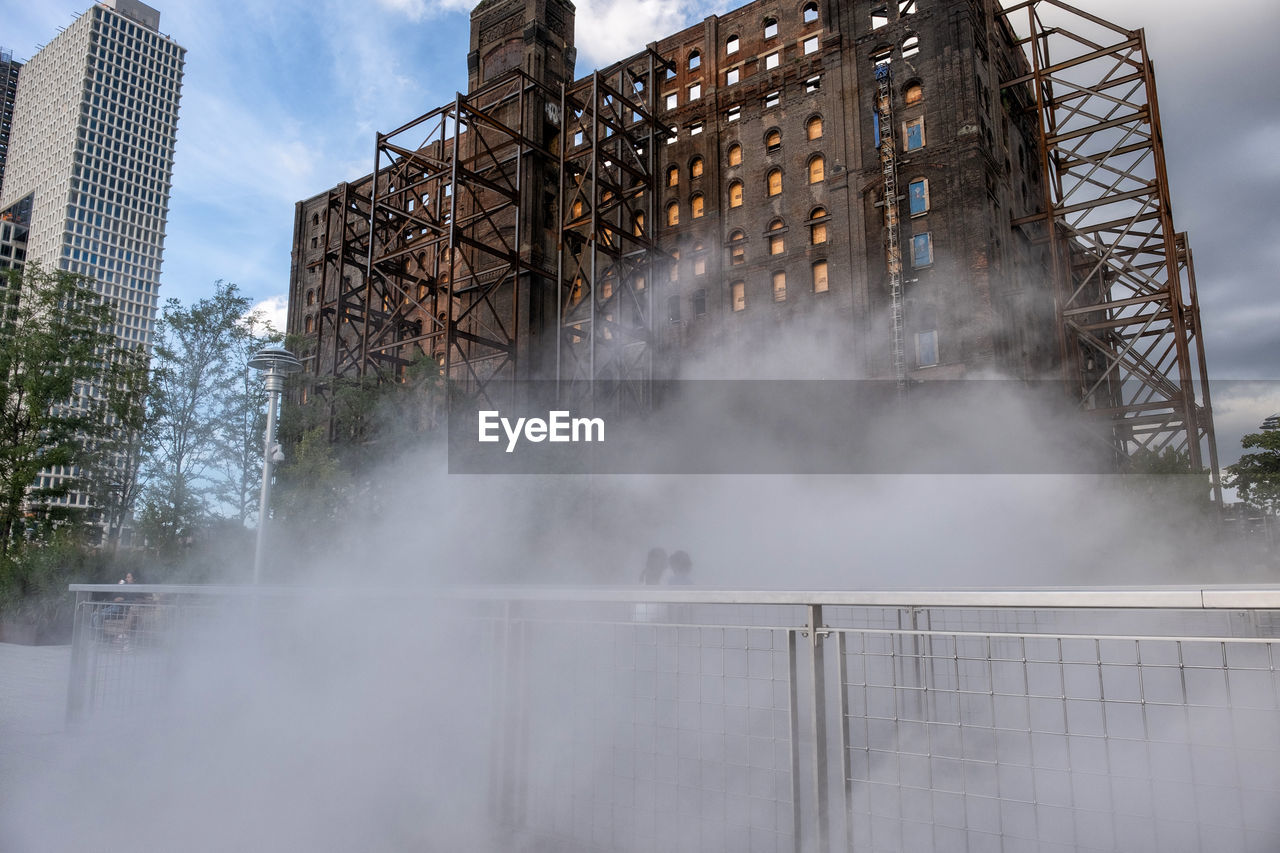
x=773, y=140
x=915, y=133
x=922, y=250
x=813, y=129
x=738, y=295
x=699, y=303
x=673, y=214
x=914, y=94
x=779, y=286
x=673, y=176
x=774, y=182
x=735, y=155
x=695, y=205
x=820, y=277
x=673, y=309
x=817, y=169
x=918, y=196
x=735, y=194
x=777, y=244
x=695, y=167
x=737, y=248
x=927, y=348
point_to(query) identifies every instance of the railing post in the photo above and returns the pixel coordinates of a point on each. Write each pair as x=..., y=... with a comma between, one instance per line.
x=80, y=638
x=817, y=633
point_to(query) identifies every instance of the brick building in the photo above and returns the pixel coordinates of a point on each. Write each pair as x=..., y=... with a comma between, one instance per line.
x=768, y=205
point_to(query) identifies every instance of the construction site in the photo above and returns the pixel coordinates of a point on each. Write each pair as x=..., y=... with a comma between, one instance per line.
x=922, y=190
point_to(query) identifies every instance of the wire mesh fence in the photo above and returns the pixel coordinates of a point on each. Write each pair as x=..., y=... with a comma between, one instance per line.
x=699, y=720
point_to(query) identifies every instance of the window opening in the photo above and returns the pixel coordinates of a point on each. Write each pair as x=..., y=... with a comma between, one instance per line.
x=695, y=60
x=879, y=17
x=738, y=295
x=700, y=303
x=735, y=154
x=695, y=167
x=914, y=94
x=773, y=140
x=813, y=84
x=737, y=248
x=915, y=133
x=695, y=205
x=731, y=46
x=771, y=100
x=735, y=194
x=770, y=27
x=731, y=76
x=814, y=127
x=733, y=114
x=910, y=46
x=918, y=196
x=817, y=170
x=820, y=277
x=774, y=182
x=695, y=91
x=927, y=348
x=777, y=243
x=673, y=213
x=779, y=286
x=673, y=176
x=810, y=13
x=922, y=250
x=810, y=45
x=772, y=60
x=672, y=100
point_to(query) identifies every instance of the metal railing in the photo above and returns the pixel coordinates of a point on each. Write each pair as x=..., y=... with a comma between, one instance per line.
x=966, y=720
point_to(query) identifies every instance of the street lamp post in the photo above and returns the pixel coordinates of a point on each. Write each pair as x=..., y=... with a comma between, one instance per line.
x=276, y=363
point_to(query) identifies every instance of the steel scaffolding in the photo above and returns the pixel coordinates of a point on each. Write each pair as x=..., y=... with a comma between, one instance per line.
x=608, y=219
x=1129, y=320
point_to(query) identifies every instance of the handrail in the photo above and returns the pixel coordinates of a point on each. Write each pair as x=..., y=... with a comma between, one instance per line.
x=1190, y=597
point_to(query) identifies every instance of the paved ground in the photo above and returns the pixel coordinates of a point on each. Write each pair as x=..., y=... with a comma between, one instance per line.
x=33, y=704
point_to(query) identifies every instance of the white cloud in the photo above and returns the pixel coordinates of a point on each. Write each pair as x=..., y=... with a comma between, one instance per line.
x=273, y=309
x=608, y=30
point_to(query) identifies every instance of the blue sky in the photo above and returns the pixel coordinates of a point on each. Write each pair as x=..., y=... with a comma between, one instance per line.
x=282, y=98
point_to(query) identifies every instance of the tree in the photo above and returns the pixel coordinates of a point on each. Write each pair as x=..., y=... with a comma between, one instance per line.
x=193, y=377
x=1256, y=477
x=244, y=418
x=55, y=359
x=133, y=411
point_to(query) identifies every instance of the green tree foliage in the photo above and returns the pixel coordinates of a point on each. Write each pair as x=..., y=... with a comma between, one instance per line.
x=243, y=415
x=54, y=343
x=194, y=375
x=1256, y=477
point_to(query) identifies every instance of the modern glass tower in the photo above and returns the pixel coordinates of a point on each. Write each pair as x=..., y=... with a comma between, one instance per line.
x=91, y=154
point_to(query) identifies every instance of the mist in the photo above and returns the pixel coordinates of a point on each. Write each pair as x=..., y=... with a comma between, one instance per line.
x=369, y=704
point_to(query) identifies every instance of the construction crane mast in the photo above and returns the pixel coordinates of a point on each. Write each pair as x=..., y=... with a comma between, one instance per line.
x=892, y=241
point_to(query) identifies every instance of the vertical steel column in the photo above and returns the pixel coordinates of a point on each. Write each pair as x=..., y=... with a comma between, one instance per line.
x=793, y=710
x=80, y=639
x=817, y=633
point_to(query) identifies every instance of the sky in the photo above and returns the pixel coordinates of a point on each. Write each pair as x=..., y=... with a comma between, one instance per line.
x=281, y=100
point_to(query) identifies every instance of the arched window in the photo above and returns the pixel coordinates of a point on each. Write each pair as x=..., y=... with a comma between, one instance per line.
x=695, y=167
x=673, y=213
x=737, y=248
x=735, y=154
x=695, y=60
x=731, y=45
x=315, y=219
x=774, y=182
x=813, y=128
x=738, y=295
x=914, y=94
x=770, y=28
x=673, y=176
x=773, y=140
x=310, y=324
x=810, y=12
x=818, y=226
x=910, y=46
x=777, y=245
x=779, y=286
x=311, y=296
x=673, y=272
x=819, y=276
x=817, y=169
x=695, y=205
x=735, y=193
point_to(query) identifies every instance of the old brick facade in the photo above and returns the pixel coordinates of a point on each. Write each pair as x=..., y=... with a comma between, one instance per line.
x=770, y=190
